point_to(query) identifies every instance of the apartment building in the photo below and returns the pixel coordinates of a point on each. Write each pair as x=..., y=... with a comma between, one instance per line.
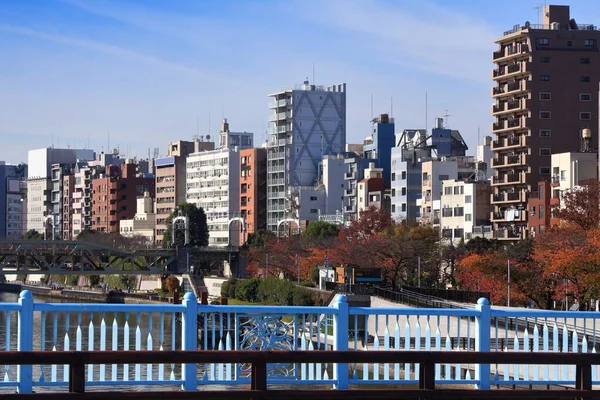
x=234, y=140
x=307, y=122
x=13, y=200
x=434, y=172
x=371, y=189
x=539, y=209
x=253, y=190
x=465, y=209
x=354, y=172
x=413, y=146
x=378, y=145
x=171, y=179
x=115, y=193
x=545, y=95
x=213, y=183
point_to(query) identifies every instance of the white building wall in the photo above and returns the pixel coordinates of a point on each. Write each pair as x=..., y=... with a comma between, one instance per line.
x=213, y=183
x=568, y=169
x=335, y=185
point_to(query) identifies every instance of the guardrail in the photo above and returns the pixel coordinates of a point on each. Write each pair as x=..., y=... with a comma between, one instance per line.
x=259, y=361
x=28, y=326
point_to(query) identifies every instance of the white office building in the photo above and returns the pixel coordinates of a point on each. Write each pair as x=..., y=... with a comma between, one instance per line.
x=306, y=123
x=213, y=183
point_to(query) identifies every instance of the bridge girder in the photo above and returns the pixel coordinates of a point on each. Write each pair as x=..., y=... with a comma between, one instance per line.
x=83, y=258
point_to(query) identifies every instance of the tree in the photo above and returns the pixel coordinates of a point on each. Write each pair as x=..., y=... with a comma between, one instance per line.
x=580, y=205
x=481, y=245
x=197, y=226
x=320, y=230
x=259, y=238
x=451, y=255
x=172, y=284
x=32, y=234
x=371, y=221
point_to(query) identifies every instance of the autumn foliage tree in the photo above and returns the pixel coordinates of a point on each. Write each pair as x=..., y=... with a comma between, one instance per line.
x=580, y=206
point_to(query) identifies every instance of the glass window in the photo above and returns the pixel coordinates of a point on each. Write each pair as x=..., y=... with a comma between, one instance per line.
x=543, y=41
x=545, y=60
x=544, y=151
x=544, y=78
x=545, y=133
x=545, y=115
x=468, y=199
x=585, y=116
x=585, y=97
x=545, y=96
x=584, y=79
x=590, y=42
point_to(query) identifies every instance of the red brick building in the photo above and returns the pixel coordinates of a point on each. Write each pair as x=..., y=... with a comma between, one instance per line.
x=540, y=209
x=114, y=196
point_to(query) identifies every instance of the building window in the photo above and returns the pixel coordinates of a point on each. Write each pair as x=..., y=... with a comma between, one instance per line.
x=590, y=42
x=468, y=199
x=563, y=175
x=541, y=211
x=544, y=170
x=545, y=115
x=545, y=133
x=584, y=60
x=545, y=60
x=403, y=207
x=545, y=96
x=540, y=192
x=545, y=78
x=584, y=79
x=585, y=97
x=393, y=176
x=585, y=116
x=403, y=191
x=313, y=198
x=543, y=41
x=448, y=190
x=393, y=192
x=403, y=175
x=314, y=211
x=544, y=151
x=393, y=208
x=468, y=218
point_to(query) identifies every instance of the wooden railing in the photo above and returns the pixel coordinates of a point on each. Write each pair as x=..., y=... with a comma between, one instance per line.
x=259, y=360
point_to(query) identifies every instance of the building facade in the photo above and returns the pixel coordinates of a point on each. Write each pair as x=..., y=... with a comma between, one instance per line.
x=253, y=190
x=545, y=95
x=213, y=184
x=171, y=180
x=465, y=209
x=539, y=209
x=307, y=122
x=371, y=189
x=13, y=200
x=114, y=196
x=143, y=223
x=234, y=140
x=378, y=146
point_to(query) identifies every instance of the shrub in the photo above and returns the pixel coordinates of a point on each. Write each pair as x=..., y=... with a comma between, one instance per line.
x=307, y=284
x=228, y=287
x=302, y=297
x=247, y=290
x=272, y=290
x=172, y=284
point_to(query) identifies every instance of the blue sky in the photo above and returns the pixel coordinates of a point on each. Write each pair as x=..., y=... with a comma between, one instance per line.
x=144, y=72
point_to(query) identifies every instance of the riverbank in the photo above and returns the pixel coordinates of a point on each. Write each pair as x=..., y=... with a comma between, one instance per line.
x=85, y=296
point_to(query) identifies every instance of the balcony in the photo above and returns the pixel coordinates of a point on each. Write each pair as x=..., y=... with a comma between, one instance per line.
x=510, y=143
x=276, y=155
x=507, y=234
x=350, y=175
x=555, y=180
x=498, y=126
x=273, y=182
x=509, y=215
x=511, y=88
x=555, y=201
x=497, y=73
x=498, y=162
x=515, y=160
x=508, y=53
x=349, y=192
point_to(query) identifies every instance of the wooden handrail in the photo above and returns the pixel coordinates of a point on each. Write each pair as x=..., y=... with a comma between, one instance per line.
x=77, y=360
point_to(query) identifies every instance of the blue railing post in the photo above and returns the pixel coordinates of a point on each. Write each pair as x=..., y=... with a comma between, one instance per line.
x=340, y=327
x=25, y=341
x=189, y=328
x=482, y=341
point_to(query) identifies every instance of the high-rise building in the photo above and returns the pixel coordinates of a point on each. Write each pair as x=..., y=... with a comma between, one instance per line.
x=43, y=189
x=13, y=200
x=307, y=123
x=213, y=184
x=546, y=92
x=171, y=179
x=253, y=190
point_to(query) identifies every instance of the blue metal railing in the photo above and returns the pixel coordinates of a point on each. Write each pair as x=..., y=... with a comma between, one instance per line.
x=27, y=326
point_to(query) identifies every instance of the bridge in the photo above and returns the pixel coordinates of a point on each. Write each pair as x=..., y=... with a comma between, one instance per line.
x=398, y=332
x=79, y=257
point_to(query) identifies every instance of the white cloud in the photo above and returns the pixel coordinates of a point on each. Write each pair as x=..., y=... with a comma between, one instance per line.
x=435, y=39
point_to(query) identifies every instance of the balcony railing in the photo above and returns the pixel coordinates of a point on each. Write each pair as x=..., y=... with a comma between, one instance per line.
x=498, y=162
x=499, y=125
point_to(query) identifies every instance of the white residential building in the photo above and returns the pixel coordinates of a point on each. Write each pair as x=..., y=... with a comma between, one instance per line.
x=306, y=123
x=40, y=210
x=370, y=190
x=570, y=169
x=213, y=184
x=464, y=206
x=144, y=221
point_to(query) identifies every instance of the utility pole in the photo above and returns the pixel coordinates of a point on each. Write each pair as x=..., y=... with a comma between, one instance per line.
x=508, y=281
x=298, y=267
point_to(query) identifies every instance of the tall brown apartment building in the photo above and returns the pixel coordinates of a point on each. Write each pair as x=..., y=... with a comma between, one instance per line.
x=171, y=180
x=253, y=189
x=114, y=196
x=546, y=93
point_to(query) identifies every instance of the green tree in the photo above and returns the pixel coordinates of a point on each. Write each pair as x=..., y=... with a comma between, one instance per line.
x=32, y=234
x=480, y=245
x=259, y=238
x=198, y=226
x=320, y=230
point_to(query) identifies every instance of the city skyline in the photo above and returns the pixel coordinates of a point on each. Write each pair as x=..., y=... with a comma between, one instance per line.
x=149, y=74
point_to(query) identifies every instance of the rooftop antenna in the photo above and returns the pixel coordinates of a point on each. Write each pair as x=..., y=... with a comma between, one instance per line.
x=446, y=117
x=539, y=12
x=372, y=117
x=426, y=117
